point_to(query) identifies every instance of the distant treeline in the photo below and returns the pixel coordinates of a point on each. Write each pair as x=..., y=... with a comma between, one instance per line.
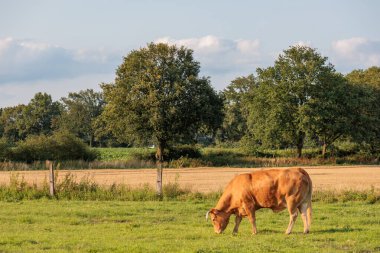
x=299, y=101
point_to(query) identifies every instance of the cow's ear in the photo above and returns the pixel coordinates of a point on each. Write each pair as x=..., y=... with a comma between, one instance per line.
x=214, y=211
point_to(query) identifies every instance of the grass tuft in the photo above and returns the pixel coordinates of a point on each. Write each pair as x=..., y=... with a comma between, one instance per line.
x=369, y=196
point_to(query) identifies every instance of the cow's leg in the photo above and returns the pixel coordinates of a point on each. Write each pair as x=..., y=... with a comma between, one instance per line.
x=237, y=223
x=250, y=210
x=303, y=210
x=252, y=219
x=293, y=213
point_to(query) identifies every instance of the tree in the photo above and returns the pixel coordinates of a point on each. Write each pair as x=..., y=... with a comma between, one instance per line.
x=11, y=122
x=80, y=112
x=158, y=97
x=39, y=116
x=234, y=125
x=1, y=124
x=278, y=114
x=331, y=112
x=367, y=84
x=369, y=77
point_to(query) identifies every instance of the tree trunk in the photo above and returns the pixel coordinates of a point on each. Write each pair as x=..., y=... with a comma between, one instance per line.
x=299, y=151
x=300, y=141
x=160, y=160
x=324, y=149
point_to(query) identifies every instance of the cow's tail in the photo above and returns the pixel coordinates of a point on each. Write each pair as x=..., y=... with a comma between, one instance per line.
x=309, y=208
x=309, y=213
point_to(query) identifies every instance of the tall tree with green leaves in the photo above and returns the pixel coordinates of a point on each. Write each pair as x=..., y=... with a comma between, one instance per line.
x=331, y=111
x=234, y=125
x=367, y=84
x=159, y=97
x=80, y=112
x=282, y=107
x=40, y=115
x=1, y=124
x=11, y=122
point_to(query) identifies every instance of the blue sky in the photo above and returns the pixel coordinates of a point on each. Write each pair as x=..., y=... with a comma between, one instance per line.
x=61, y=46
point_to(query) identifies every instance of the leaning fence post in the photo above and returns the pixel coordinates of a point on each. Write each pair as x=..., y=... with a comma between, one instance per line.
x=49, y=165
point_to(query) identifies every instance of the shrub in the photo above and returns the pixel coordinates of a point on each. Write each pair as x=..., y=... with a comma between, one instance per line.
x=346, y=148
x=144, y=155
x=170, y=154
x=66, y=146
x=183, y=151
x=4, y=149
x=223, y=157
x=173, y=191
x=185, y=162
x=59, y=146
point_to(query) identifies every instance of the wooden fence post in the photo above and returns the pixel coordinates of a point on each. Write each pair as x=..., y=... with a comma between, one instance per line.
x=49, y=165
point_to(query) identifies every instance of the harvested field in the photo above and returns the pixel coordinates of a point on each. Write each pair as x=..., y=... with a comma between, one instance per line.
x=211, y=179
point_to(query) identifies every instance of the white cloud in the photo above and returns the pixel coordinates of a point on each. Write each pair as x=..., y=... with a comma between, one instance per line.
x=204, y=45
x=220, y=57
x=357, y=52
x=211, y=44
x=25, y=60
x=248, y=46
x=348, y=47
x=4, y=44
x=303, y=43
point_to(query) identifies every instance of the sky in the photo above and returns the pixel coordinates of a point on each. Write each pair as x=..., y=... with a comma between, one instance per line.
x=62, y=46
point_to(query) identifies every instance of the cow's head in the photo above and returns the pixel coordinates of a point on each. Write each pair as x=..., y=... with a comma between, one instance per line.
x=219, y=219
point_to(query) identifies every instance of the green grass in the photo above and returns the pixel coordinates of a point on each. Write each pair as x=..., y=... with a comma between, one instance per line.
x=178, y=226
x=122, y=154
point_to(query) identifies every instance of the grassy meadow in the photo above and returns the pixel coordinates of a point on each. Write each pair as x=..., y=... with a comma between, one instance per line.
x=179, y=226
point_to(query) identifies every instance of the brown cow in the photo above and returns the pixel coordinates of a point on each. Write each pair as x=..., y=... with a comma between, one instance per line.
x=276, y=189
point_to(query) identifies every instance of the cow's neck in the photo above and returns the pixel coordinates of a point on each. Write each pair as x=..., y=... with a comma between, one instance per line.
x=224, y=203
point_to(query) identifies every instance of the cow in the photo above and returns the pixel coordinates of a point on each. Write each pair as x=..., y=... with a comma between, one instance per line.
x=276, y=189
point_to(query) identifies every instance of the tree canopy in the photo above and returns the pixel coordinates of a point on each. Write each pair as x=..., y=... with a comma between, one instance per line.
x=158, y=97
x=234, y=125
x=367, y=86
x=39, y=116
x=81, y=110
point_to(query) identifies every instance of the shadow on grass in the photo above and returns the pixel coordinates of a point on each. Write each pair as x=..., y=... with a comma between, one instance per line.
x=322, y=231
x=337, y=230
x=270, y=231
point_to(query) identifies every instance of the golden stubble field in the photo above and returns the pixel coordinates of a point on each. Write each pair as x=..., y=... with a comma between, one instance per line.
x=211, y=179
